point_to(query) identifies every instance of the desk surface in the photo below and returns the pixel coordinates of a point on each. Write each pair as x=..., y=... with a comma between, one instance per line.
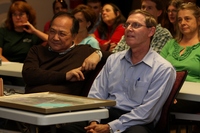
x=190, y=91
x=13, y=69
x=51, y=119
x=49, y=102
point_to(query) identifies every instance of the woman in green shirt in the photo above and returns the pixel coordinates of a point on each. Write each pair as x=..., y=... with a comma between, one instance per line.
x=184, y=51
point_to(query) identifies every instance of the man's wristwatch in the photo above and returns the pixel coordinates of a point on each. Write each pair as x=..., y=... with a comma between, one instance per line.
x=99, y=53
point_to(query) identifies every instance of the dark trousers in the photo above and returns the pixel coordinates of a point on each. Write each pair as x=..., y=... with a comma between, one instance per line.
x=78, y=127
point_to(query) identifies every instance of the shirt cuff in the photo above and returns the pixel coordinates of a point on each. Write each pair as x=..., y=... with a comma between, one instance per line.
x=116, y=126
x=98, y=121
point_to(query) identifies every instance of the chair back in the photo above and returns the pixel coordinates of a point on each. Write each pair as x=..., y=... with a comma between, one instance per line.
x=163, y=123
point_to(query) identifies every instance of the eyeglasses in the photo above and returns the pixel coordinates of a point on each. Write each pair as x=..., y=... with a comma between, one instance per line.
x=61, y=34
x=171, y=11
x=18, y=15
x=134, y=25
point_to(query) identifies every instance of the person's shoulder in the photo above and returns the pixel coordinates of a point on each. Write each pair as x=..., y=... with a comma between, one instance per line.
x=38, y=47
x=119, y=54
x=120, y=26
x=91, y=38
x=5, y=29
x=162, y=30
x=82, y=47
x=171, y=42
x=160, y=61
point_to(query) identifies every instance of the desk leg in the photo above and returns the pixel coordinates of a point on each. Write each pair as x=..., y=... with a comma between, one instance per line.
x=33, y=129
x=53, y=129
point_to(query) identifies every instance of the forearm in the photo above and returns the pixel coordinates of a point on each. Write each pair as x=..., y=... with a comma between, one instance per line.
x=41, y=34
x=34, y=76
x=3, y=58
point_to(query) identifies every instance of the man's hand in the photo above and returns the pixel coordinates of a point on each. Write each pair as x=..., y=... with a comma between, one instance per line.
x=98, y=128
x=91, y=62
x=75, y=75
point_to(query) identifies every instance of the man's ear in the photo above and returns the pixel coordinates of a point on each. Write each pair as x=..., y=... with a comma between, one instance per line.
x=74, y=36
x=88, y=24
x=152, y=30
x=159, y=13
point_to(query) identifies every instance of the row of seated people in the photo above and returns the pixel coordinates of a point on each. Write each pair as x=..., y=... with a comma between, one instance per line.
x=55, y=51
x=13, y=27
x=108, y=35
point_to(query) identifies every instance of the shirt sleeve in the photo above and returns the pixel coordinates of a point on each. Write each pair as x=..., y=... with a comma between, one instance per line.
x=34, y=75
x=121, y=45
x=165, y=50
x=158, y=91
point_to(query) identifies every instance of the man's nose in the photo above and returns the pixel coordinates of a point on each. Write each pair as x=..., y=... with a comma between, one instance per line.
x=56, y=37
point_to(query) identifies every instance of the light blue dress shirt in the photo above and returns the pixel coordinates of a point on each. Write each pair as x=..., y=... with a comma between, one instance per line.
x=141, y=89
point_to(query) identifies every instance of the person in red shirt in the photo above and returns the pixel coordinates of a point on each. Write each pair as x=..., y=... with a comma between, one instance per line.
x=111, y=27
x=58, y=6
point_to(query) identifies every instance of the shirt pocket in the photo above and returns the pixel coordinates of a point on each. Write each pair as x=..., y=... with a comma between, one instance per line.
x=138, y=91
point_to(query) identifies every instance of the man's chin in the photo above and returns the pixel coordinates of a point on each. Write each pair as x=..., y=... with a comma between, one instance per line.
x=130, y=41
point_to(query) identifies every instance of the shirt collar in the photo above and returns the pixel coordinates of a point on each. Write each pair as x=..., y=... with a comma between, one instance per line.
x=64, y=52
x=148, y=58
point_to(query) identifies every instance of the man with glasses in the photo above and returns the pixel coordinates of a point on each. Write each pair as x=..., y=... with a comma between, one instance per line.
x=139, y=80
x=161, y=36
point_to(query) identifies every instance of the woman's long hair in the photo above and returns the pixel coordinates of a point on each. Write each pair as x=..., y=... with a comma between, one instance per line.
x=196, y=12
x=103, y=28
x=22, y=7
x=166, y=23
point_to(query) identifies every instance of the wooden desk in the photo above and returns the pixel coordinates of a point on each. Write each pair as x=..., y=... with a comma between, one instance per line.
x=190, y=91
x=48, y=108
x=36, y=119
x=13, y=69
x=52, y=119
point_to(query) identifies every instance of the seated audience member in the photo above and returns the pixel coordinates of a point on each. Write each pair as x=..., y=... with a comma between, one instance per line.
x=3, y=21
x=15, y=39
x=139, y=80
x=184, y=51
x=86, y=17
x=15, y=42
x=55, y=66
x=161, y=36
x=170, y=18
x=58, y=6
x=111, y=27
x=97, y=7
